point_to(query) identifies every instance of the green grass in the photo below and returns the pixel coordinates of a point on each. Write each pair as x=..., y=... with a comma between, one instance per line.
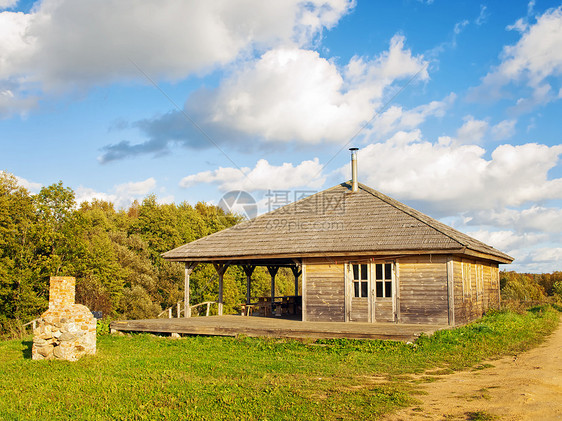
x=138, y=377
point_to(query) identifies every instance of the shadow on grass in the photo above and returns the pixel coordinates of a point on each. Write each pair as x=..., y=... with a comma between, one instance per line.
x=26, y=351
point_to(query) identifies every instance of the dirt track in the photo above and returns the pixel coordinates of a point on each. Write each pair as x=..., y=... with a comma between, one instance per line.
x=527, y=386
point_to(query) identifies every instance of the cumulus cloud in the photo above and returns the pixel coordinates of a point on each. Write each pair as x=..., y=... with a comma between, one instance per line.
x=12, y=103
x=396, y=118
x=504, y=129
x=472, y=131
x=535, y=58
x=448, y=177
x=508, y=240
x=166, y=39
x=535, y=218
x=29, y=185
x=263, y=176
x=538, y=259
x=121, y=195
x=286, y=95
x=533, y=252
x=6, y=4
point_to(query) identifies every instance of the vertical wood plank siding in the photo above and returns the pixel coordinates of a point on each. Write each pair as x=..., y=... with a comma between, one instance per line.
x=476, y=288
x=423, y=289
x=325, y=291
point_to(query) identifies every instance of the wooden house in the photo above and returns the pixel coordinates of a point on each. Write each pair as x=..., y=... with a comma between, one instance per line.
x=362, y=257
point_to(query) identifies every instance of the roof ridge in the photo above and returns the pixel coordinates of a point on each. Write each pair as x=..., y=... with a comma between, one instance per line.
x=298, y=229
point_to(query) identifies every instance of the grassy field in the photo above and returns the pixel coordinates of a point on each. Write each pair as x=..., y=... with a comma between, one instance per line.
x=140, y=376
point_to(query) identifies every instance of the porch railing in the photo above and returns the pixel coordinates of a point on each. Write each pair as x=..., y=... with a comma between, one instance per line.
x=179, y=309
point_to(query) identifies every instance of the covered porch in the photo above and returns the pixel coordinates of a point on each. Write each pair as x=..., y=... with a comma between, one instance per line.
x=267, y=306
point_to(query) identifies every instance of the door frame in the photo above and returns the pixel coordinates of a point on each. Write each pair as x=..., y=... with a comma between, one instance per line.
x=371, y=298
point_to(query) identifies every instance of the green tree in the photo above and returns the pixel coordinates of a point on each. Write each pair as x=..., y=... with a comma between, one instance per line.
x=20, y=294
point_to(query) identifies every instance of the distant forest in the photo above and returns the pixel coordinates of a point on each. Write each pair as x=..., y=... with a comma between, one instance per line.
x=115, y=256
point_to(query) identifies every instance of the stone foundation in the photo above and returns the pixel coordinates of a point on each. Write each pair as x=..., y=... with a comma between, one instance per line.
x=66, y=331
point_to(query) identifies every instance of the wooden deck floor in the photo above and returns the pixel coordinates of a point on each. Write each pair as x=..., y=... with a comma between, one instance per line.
x=275, y=327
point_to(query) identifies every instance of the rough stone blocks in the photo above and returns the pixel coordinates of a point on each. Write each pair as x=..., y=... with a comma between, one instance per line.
x=66, y=331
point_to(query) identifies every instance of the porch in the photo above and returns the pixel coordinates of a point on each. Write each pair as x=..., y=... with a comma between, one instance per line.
x=286, y=327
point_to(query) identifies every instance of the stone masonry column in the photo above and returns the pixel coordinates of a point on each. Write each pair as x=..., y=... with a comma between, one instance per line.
x=66, y=331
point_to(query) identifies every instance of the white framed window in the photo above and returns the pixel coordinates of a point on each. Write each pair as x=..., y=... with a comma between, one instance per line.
x=360, y=280
x=383, y=280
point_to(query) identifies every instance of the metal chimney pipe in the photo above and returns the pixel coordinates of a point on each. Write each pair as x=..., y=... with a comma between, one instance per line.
x=353, y=168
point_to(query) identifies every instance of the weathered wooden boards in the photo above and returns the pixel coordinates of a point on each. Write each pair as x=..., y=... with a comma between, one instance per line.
x=273, y=327
x=430, y=289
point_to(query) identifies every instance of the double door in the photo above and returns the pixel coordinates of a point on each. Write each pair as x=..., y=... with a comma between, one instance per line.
x=370, y=292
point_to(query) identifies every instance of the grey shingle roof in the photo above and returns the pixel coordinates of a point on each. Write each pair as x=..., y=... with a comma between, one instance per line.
x=335, y=222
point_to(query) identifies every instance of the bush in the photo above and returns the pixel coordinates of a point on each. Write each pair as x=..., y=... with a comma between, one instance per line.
x=520, y=287
x=137, y=304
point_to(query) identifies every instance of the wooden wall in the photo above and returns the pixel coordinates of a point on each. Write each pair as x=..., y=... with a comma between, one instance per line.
x=421, y=286
x=324, y=293
x=477, y=287
x=422, y=292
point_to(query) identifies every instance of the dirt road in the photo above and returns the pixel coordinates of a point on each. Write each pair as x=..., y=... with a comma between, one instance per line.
x=527, y=386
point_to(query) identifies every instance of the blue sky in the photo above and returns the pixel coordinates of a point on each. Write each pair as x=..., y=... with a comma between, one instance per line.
x=455, y=105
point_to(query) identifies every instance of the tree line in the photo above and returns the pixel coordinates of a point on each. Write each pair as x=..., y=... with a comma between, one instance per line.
x=115, y=255
x=530, y=286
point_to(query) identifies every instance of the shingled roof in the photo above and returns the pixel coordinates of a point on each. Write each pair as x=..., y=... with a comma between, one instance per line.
x=335, y=222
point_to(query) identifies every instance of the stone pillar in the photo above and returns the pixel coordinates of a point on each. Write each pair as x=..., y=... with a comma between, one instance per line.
x=62, y=291
x=66, y=331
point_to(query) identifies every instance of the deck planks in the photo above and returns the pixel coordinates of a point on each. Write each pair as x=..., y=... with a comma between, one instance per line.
x=273, y=327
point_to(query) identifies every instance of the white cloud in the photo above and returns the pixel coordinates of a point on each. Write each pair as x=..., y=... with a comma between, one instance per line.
x=6, y=4
x=451, y=177
x=548, y=255
x=472, y=131
x=29, y=185
x=263, y=176
x=532, y=60
x=508, y=240
x=504, y=129
x=535, y=218
x=459, y=26
x=11, y=103
x=293, y=94
x=482, y=17
x=169, y=39
x=538, y=260
x=521, y=25
x=122, y=195
x=396, y=118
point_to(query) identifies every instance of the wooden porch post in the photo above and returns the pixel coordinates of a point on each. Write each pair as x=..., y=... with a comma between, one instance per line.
x=221, y=269
x=248, y=269
x=296, y=272
x=272, y=271
x=189, y=266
